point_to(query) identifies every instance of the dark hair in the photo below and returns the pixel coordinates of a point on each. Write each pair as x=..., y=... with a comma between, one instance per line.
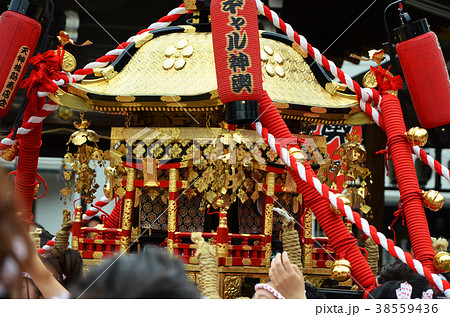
x=66, y=266
x=396, y=271
x=151, y=274
x=388, y=290
x=94, y=218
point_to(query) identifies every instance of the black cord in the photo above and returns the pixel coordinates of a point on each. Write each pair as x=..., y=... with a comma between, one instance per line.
x=388, y=34
x=47, y=29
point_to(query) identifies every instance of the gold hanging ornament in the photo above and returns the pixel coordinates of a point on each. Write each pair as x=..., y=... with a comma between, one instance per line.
x=68, y=63
x=417, y=136
x=432, y=199
x=77, y=164
x=369, y=80
x=351, y=171
x=341, y=270
x=441, y=262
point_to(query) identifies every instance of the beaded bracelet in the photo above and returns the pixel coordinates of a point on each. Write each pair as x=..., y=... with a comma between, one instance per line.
x=270, y=289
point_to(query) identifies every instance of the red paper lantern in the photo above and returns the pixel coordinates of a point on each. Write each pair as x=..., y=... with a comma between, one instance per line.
x=237, y=56
x=20, y=31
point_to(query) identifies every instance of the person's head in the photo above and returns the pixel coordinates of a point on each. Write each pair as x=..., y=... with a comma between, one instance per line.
x=396, y=271
x=94, y=221
x=416, y=286
x=66, y=266
x=151, y=274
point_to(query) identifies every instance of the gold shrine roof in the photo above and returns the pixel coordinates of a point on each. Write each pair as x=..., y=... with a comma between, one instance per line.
x=173, y=70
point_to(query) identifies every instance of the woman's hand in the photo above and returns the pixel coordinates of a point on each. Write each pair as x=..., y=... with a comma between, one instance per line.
x=287, y=278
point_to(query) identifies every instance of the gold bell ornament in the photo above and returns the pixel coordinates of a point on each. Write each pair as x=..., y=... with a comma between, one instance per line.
x=432, y=199
x=10, y=153
x=341, y=270
x=441, y=262
x=417, y=136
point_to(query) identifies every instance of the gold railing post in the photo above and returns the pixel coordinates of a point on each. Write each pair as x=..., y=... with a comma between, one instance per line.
x=268, y=215
x=128, y=208
x=172, y=208
x=308, y=245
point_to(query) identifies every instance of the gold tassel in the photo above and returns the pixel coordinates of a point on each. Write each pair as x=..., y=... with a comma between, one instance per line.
x=291, y=243
x=63, y=234
x=372, y=255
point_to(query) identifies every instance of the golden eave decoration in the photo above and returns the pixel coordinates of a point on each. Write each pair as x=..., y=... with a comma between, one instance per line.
x=175, y=71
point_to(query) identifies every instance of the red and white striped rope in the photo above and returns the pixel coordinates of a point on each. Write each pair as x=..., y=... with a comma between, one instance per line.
x=364, y=94
x=91, y=212
x=354, y=217
x=28, y=126
x=35, y=120
x=113, y=54
x=431, y=162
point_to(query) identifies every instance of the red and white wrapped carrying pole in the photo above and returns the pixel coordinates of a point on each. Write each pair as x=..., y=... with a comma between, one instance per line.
x=20, y=32
x=426, y=75
x=237, y=56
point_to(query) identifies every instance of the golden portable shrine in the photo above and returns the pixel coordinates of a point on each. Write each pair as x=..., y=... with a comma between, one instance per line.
x=216, y=153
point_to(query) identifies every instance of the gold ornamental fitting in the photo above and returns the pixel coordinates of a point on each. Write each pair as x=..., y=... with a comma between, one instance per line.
x=441, y=262
x=417, y=136
x=107, y=190
x=83, y=134
x=297, y=154
x=36, y=189
x=223, y=222
x=433, y=200
x=69, y=62
x=190, y=5
x=10, y=153
x=219, y=203
x=341, y=270
x=346, y=202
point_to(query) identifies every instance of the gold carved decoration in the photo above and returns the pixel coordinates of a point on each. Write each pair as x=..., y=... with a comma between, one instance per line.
x=272, y=62
x=169, y=246
x=222, y=249
x=191, y=277
x=172, y=213
x=124, y=244
x=268, y=219
x=307, y=248
x=172, y=204
x=97, y=255
x=246, y=261
x=177, y=55
x=232, y=287
x=268, y=253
